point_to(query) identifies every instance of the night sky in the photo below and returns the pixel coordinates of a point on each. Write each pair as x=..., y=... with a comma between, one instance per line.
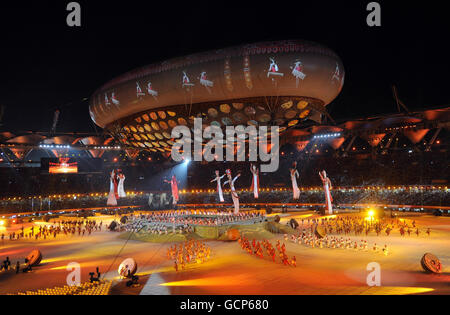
x=47, y=65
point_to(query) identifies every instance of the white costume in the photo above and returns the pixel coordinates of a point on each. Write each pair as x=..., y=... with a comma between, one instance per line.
x=234, y=194
x=107, y=100
x=273, y=66
x=327, y=187
x=150, y=200
x=114, y=99
x=295, y=190
x=139, y=90
x=120, y=188
x=151, y=91
x=112, y=200
x=219, y=186
x=255, y=181
x=204, y=80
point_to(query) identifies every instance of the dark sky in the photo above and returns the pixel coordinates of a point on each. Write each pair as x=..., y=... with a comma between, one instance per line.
x=46, y=65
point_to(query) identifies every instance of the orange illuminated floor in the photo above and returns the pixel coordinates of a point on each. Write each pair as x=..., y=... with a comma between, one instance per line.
x=233, y=271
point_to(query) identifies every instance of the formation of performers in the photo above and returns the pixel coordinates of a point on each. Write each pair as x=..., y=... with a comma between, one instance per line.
x=361, y=226
x=189, y=252
x=63, y=227
x=258, y=249
x=156, y=227
x=168, y=222
x=294, y=174
x=116, y=187
x=310, y=239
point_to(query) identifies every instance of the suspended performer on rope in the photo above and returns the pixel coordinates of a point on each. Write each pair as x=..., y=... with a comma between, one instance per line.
x=174, y=185
x=218, y=179
x=327, y=188
x=120, y=188
x=255, y=180
x=113, y=190
x=234, y=194
x=294, y=175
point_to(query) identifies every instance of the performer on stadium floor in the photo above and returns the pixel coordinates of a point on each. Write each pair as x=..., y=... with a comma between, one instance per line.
x=255, y=181
x=234, y=194
x=219, y=186
x=294, y=175
x=120, y=187
x=174, y=185
x=113, y=195
x=327, y=187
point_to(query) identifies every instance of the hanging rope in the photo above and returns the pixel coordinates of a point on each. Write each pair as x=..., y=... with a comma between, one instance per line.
x=118, y=254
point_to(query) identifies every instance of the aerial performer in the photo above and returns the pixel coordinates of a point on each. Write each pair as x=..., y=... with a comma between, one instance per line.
x=255, y=180
x=234, y=194
x=174, y=185
x=327, y=187
x=150, y=200
x=294, y=175
x=121, y=190
x=217, y=179
x=113, y=194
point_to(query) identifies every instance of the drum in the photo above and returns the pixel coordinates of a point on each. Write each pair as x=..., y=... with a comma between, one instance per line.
x=431, y=263
x=319, y=232
x=112, y=226
x=127, y=268
x=34, y=258
x=294, y=224
x=233, y=234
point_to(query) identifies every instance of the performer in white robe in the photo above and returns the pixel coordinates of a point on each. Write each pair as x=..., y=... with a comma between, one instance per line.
x=112, y=197
x=163, y=202
x=255, y=180
x=150, y=200
x=120, y=188
x=294, y=176
x=327, y=188
x=234, y=194
x=219, y=186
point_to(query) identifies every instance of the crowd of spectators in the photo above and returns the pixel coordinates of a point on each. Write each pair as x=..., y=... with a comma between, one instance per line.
x=20, y=188
x=413, y=195
x=424, y=168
